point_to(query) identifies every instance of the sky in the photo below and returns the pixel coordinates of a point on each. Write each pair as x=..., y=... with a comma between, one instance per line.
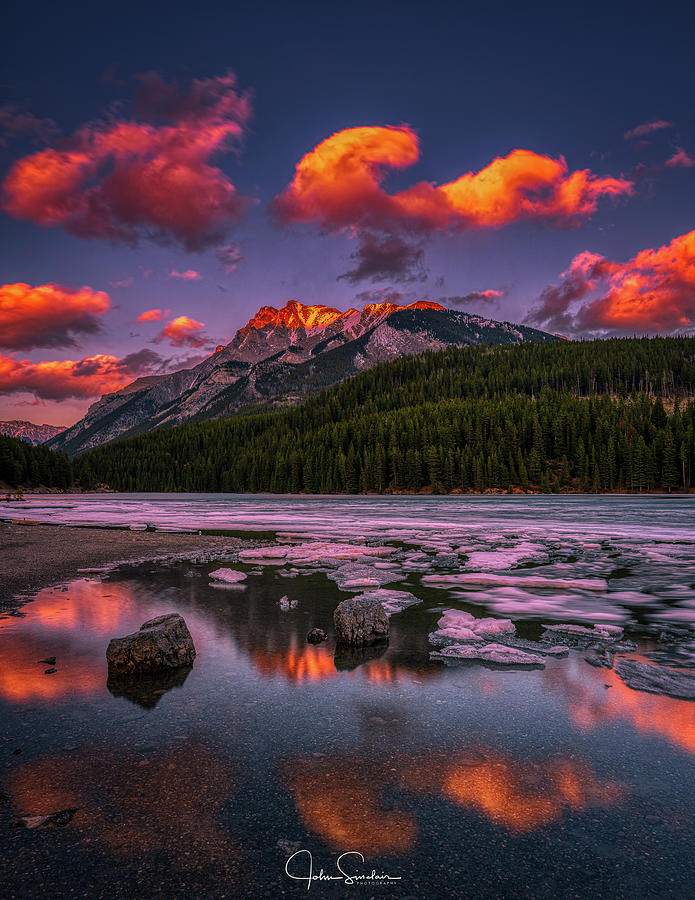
x=168, y=169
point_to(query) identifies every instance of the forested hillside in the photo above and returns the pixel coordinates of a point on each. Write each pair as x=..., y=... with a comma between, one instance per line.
x=22, y=464
x=592, y=416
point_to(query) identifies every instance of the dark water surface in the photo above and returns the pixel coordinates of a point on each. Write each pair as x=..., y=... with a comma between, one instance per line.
x=465, y=781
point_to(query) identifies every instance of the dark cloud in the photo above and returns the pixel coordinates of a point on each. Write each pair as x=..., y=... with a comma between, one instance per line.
x=14, y=124
x=489, y=296
x=382, y=258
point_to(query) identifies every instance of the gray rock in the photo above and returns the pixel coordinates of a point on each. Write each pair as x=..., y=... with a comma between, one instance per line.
x=161, y=643
x=392, y=601
x=639, y=676
x=582, y=637
x=360, y=620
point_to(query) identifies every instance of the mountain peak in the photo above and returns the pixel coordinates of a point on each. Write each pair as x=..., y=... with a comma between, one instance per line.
x=300, y=315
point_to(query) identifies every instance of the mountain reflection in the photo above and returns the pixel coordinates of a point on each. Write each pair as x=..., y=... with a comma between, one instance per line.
x=343, y=799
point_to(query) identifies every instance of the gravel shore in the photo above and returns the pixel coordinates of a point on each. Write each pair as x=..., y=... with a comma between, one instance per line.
x=36, y=556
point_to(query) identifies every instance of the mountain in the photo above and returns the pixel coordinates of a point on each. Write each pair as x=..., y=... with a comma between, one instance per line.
x=278, y=357
x=616, y=415
x=27, y=431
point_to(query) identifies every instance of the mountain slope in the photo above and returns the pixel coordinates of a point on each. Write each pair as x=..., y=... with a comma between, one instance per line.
x=566, y=416
x=279, y=356
x=27, y=431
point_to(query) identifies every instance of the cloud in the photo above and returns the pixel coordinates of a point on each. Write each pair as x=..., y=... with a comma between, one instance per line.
x=183, y=332
x=152, y=315
x=230, y=256
x=386, y=257
x=488, y=296
x=647, y=128
x=680, y=159
x=91, y=376
x=188, y=275
x=123, y=180
x=377, y=296
x=338, y=186
x=48, y=315
x=14, y=123
x=123, y=283
x=652, y=292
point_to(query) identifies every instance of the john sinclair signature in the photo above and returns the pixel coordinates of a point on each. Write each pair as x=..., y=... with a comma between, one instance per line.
x=300, y=867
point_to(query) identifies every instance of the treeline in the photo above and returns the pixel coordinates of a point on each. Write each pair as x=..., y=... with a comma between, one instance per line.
x=22, y=465
x=593, y=416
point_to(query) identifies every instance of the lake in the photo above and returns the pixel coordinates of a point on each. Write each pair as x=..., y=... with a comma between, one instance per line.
x=271, y=754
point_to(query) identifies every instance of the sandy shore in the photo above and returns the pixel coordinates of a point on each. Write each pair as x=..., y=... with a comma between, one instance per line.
x=36, y=556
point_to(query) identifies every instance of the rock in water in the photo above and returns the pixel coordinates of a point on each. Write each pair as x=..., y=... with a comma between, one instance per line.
x=317, y=636
x=639, y=676
x=161, y=643
x=360, y=620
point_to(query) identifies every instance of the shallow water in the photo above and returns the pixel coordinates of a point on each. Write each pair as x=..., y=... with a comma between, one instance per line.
x=561, y=782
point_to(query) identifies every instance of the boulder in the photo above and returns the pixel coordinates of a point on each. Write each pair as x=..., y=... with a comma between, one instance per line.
x=161, y=643
x=317, y=636
x=360, y=620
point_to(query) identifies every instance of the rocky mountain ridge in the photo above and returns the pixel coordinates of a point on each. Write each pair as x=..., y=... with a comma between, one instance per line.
x=278, y=357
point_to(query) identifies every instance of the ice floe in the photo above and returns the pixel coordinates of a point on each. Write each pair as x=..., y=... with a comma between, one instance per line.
x=526, y=580
x=505, y=557
x=495, y=654
x=351, y=576
x=228, y=576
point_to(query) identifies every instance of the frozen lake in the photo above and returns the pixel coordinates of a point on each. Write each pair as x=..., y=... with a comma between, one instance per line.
x=555, y=780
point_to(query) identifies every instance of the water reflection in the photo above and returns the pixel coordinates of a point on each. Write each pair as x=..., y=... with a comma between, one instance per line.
x=171, y=802
x=147, y=690
x=597, y=696
x=344, y=799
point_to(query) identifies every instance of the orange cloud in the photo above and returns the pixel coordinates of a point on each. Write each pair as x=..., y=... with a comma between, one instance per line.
x=338, y=185
x=152, y=315
x=48, y=315
x=188, y=275
x=183, y=331
x=123, y=180
x=91, y=376
x=654, y=291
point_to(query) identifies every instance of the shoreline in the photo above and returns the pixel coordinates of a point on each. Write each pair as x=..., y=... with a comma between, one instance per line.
x=36, y=556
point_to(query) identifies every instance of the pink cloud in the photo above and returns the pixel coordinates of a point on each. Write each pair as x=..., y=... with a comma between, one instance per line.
x=125, y=179
x=647, y=128
x=680, y=159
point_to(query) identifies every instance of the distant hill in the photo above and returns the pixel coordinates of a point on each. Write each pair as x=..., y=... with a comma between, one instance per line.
x=614, y=415
x=279, y=357
x=27, y=431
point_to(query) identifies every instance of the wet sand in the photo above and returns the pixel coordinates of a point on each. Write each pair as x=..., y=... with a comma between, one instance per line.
x=37, y=556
